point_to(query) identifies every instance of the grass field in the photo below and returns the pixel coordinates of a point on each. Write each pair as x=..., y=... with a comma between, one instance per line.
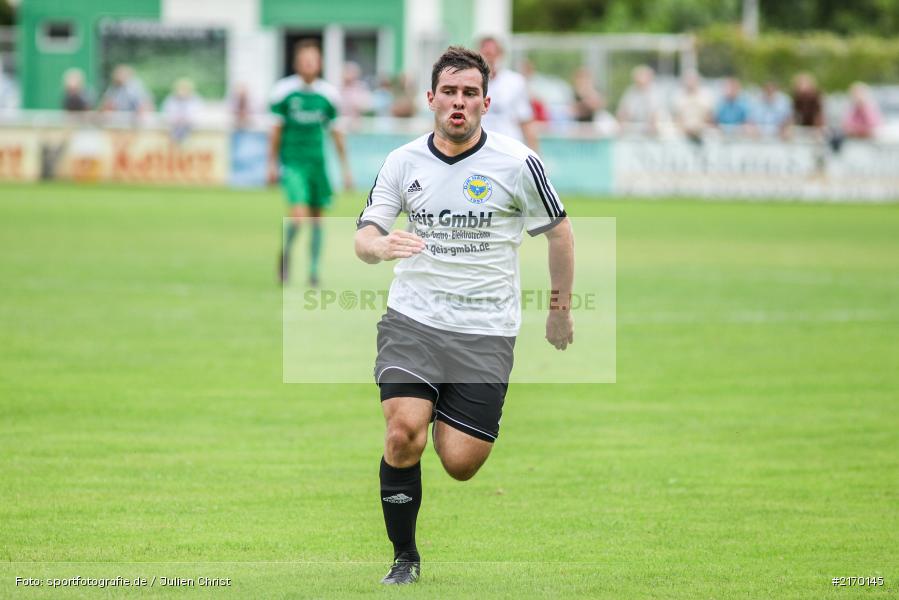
x=750, y=448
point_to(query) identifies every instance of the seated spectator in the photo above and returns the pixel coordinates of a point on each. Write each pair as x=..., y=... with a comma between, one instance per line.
x=641, y=108
x=732, y=113
x=75, y=96
x=771, y=114
x=808, y=105
x=587, y=100
x=182, y=109
x=382, y=97
x=9, y=91
x=355, y=97
x=693, y=107
x=863, y=117
x=126, y=93
x=403, y=106
x=241, y=106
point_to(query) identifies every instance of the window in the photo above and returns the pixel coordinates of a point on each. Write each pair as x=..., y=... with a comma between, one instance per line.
x=57, y=36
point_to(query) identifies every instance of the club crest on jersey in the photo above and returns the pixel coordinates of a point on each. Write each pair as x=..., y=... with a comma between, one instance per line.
x=477, y=189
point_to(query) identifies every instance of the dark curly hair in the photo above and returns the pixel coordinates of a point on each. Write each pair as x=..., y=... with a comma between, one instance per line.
x=458, y=58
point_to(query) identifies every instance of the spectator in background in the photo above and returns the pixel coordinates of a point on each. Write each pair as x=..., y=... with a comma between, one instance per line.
x=355, y=96
x=75, y=97
x=403, y=106
x=9, y=90
x=382, y=97
x=541, y=113
x=808, y=106
x=182, y=109
x=771, y=114
x=126, y=93
x=241, y=106
x=732, y=113
x=862, y=119
x=641, y=108
x=510, y=111
x=693, y=107
x=587, y=99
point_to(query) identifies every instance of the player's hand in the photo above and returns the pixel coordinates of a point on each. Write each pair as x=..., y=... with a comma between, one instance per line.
x=347, y=180
x=399, y=244
x=560, y=328
x=274, y=174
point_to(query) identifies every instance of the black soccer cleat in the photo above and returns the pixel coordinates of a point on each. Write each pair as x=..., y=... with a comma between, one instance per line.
x=402, y=572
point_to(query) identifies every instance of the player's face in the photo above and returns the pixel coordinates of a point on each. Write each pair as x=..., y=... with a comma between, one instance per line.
x=308, y=63
x=458, y=103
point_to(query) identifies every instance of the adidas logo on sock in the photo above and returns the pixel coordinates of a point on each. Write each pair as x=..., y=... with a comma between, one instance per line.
x=397, y=499
x=415, y=187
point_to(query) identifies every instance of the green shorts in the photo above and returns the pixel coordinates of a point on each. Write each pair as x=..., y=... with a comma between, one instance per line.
x=306, y=184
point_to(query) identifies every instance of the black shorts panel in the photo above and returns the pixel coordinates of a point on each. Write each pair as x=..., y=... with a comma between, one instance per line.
x=473, y=408
x=400, y=389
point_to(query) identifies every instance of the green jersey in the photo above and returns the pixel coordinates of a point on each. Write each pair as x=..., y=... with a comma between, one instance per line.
x=306, y=110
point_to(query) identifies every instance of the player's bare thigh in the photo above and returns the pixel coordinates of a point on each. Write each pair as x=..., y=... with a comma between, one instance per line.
x=299, y=212
x=461, y=454
x=407, y=429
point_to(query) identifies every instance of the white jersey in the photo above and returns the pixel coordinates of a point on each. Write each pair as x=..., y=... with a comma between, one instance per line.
x=510, y=105
x=471, y=210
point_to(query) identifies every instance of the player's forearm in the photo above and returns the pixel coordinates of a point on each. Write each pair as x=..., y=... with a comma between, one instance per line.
x=561, y=264
x=366, y=243
x=274, y=146
x=340, y=146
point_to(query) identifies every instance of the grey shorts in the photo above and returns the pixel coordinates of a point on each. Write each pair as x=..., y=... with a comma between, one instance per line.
x=465, y=375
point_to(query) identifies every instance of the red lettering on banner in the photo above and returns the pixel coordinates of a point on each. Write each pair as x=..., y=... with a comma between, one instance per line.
x=165, y=164
x=11, y=162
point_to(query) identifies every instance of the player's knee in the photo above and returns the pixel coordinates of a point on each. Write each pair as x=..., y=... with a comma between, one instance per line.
x=403, y=439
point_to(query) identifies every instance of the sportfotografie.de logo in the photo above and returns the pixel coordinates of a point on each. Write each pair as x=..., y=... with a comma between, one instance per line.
x=376, y=300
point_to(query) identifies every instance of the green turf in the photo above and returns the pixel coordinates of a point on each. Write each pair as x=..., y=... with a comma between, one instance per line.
x=748, y=450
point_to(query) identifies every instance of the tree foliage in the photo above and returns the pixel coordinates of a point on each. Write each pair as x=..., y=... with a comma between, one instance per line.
x=836, y=61
x=877, y=17
x=7, y=14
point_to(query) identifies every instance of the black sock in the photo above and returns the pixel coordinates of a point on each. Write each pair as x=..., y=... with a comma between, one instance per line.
x=400, y=499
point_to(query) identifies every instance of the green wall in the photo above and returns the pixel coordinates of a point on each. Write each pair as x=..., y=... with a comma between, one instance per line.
x=41, y=72
x=318, y=13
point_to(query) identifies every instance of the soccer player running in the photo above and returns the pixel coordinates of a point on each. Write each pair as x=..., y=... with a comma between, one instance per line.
x=445, y=344
x=305, y=106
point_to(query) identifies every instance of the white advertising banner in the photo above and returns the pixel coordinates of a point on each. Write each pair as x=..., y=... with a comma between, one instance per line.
x=776, y=169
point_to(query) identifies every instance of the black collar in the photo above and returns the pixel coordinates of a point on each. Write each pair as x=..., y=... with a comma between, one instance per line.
x=451, y=160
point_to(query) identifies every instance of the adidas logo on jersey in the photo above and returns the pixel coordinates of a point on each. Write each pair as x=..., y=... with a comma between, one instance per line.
x=398, y=498
x=415, y=187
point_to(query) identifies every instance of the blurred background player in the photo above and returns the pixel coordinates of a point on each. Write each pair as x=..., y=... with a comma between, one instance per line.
x=305, y=106
x=510, y=107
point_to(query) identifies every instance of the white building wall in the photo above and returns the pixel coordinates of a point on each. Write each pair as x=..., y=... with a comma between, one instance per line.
x=493, y=17
x=422, y=23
